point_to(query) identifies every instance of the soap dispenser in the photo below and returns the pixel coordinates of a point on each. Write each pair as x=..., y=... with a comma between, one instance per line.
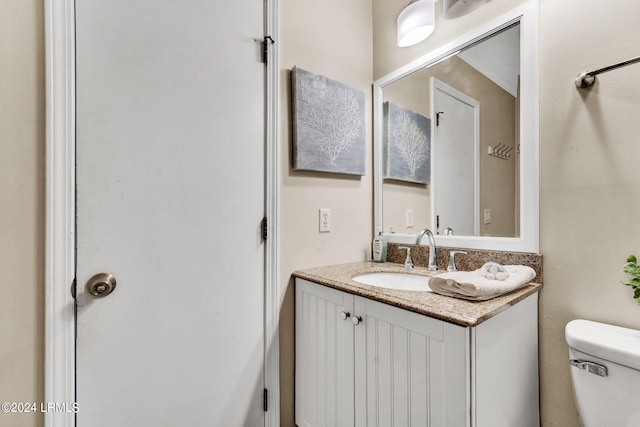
x=379, y=247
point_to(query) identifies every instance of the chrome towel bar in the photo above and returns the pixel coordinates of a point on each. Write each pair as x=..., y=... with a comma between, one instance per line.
x=586, y=79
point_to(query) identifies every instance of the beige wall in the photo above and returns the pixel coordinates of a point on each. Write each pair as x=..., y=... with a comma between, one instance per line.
x=331, y=38
x=21, y=207
x=589, y=198
x=588, y=158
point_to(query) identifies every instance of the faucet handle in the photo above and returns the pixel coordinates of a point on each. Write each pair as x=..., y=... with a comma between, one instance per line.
x=452, y=260
x=408, y=262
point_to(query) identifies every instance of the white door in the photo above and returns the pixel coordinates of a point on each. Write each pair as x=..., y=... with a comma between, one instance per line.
x=455, y=161
x=170, y=197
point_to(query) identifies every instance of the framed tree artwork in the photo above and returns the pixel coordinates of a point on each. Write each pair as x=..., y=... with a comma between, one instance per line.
x=328, y=124
x=406, y=145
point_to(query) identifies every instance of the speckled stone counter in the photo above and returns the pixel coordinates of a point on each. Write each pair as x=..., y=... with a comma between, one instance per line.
x=459, y=311
x=473, y=260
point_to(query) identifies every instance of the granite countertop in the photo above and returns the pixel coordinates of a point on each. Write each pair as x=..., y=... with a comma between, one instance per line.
x=454, y=310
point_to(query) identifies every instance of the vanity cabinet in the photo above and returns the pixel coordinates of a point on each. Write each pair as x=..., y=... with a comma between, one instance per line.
x=360, y=362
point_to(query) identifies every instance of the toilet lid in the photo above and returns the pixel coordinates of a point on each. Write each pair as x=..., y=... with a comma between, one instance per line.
x=608, y=342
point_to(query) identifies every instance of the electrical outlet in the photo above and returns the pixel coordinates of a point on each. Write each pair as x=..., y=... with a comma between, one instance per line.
x=408, y=218
x=487, y=216
x=325, y=221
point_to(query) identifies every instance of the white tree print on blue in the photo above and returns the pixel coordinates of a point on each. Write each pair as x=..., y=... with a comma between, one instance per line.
x=407, y=145
x=411, y=142
x=328, y=125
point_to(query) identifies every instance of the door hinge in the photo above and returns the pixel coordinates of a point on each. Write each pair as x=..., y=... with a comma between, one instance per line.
x=73, y=288
x=265, y=401
x=265, y=229
x=266, y=41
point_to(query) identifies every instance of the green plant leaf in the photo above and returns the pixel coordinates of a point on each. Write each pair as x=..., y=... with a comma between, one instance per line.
x=633, y=282
x=631, y=268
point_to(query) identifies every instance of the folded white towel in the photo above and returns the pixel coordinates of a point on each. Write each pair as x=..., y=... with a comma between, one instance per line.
x=493, y=271
x=471, y=285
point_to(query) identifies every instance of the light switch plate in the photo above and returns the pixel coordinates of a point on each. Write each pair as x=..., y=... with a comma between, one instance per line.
x=487, y=216
x=408, y=218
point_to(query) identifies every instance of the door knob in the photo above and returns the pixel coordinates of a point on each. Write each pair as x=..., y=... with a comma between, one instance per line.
x=101, y=285
x=356, y=320
x=344, y=315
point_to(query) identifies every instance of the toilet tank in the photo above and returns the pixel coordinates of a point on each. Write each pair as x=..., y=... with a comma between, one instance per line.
x=605, y=369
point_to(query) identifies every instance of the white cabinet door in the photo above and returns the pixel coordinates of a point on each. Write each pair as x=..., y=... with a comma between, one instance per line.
x=399, y=368
x=324, y=356
x=506, y=367
x=410, y=370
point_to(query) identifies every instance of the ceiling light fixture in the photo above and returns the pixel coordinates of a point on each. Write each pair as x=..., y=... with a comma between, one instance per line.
x=416, y=22
x=456, y=8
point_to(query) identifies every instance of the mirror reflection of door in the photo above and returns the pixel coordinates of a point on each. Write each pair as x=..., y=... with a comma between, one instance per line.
x=456, y=133
x=489, y=72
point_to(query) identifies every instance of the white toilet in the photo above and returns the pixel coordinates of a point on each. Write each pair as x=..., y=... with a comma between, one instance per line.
x=605, y=368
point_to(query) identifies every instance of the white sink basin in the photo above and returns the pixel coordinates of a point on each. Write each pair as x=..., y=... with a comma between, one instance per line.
x=397, y=281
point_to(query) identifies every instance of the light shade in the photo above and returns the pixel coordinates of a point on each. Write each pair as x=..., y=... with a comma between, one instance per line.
x=455, y=8
x=416, y=22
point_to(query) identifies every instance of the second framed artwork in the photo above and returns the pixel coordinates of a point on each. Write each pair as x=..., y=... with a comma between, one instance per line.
x=407, y=145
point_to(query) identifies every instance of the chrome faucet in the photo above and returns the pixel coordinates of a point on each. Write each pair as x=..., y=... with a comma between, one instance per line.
x=408, y=262
x=433, y=261
x=452, y=260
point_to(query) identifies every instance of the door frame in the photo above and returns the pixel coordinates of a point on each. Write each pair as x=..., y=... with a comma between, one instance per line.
x=59, y=381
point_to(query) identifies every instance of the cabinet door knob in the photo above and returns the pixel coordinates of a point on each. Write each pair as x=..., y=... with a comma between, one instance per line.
x=356, y=320
x=345, y=315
